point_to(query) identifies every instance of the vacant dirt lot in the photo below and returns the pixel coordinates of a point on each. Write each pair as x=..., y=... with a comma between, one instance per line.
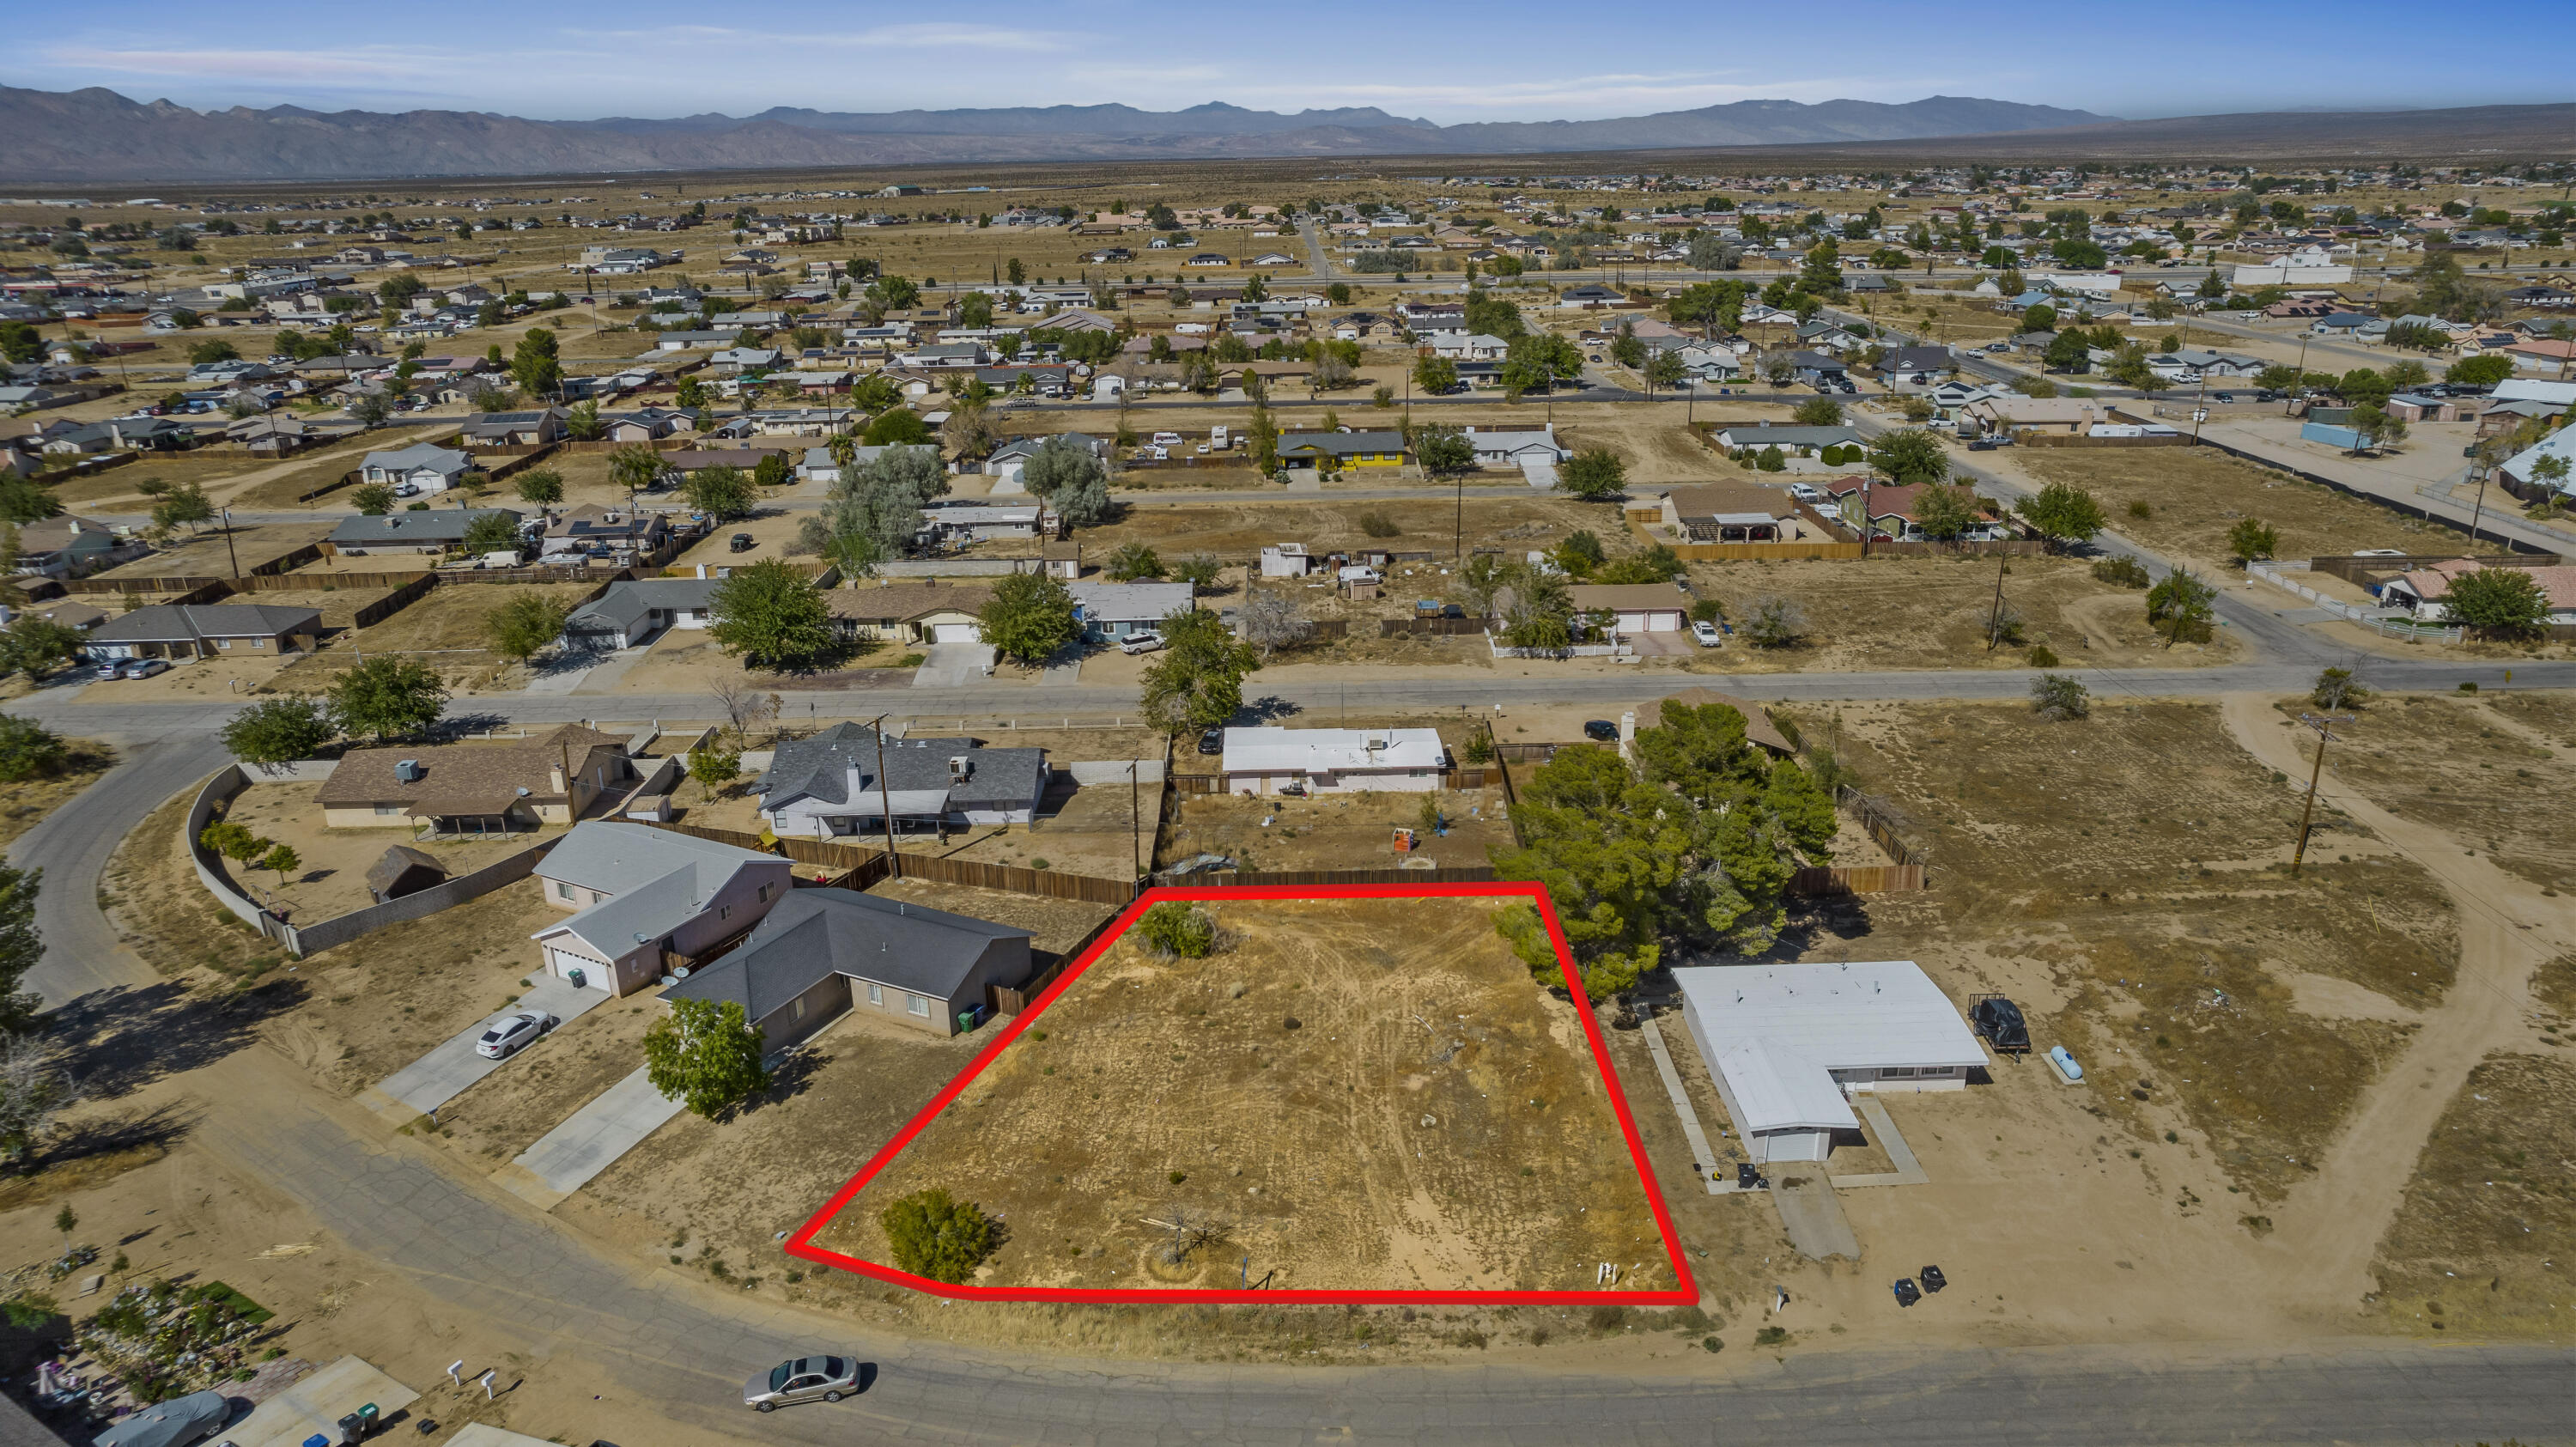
x=2481, y=1244
x=2121, y=876
x=333, y=880
x=2196, y=495
x=446, y=627
x=1237, y=532
x=1098, y=831
x=1934, y=612
x=211, y=554
x=1160, y=1087
x=2473, y=768
x=1338, y=831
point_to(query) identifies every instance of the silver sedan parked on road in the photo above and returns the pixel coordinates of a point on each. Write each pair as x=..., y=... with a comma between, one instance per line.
x=805, y=1379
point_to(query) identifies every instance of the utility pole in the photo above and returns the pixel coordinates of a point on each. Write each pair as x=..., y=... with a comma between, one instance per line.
x=1995, y=620
x=1135, y=819
x=231, y=552
x=2479, y=469
x=2323, y=724
x=885, y=801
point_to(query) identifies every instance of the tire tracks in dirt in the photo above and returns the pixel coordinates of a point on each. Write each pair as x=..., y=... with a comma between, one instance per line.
x=2328, y=1231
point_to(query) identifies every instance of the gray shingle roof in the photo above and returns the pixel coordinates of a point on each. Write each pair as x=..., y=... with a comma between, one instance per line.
x=819, y=768
x=813, y=933
x=656, y=880
x=439, y=525
x=624, y=604
x=170, y=622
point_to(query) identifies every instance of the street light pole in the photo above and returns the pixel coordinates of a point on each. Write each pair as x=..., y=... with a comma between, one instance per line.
x=2323, y=724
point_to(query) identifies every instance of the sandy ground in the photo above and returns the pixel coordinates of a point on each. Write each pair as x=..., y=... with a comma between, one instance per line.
x=445, y=629
x=1339, y=831
x=2195, y=496
x=23, y=804
x=210, y=554
x=2478, y=767
x=1437, y=1097
x=333, y=880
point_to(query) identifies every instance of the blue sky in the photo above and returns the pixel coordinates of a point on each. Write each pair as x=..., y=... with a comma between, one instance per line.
x=1503, y=60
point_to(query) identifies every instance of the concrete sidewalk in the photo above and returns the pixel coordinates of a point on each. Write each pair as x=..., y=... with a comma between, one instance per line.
x=588, y=1142
x=446, y=1071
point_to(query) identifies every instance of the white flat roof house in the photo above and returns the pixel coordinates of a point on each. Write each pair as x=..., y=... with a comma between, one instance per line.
x=1332, y=761
x=1786, y=1044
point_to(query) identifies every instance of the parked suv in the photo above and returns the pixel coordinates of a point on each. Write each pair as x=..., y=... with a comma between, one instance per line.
x=1145, y=641
x=2000, y=1021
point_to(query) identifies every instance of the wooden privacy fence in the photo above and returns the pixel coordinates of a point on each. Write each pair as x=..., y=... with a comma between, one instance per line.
x=1833, y=879
x=1325, y=878
x=1436, y=627
x=1009, y=1000
x=2062, y=439
x=857, y=867
x=1196, y=785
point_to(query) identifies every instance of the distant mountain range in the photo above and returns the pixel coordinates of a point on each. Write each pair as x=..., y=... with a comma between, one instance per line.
x=90, y=136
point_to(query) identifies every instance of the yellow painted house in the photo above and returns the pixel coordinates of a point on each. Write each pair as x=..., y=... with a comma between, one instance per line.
x=1351, y=449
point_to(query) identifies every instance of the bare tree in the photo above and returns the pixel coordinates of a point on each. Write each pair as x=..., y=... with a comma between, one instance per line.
x=745, y=707
x=34, y=1092
x=1272, y=620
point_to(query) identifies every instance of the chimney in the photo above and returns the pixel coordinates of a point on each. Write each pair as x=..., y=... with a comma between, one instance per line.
x=1628, y=734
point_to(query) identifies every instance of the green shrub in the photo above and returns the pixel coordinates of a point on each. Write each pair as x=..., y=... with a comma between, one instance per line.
x=2042, y=657
x=2122, y=572
x=1175, y=928
x=936, y=1236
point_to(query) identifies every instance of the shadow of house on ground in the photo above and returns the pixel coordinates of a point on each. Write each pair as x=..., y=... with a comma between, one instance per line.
x=116, y=1041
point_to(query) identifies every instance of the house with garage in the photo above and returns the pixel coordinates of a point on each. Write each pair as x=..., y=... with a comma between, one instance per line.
x=1635, y=607
x=606, y=532
x=518, y=429
x=846, y=781
x=206, y=630
x=1787, y=1045
x=637, y=611
x=822, y=953
x=1789, y=439
x=453, y=789
x=646, y=902
x=1108, y=611
x=1333, y=761
x=423, y=467
x=2426, y=590
x=435, y=531
x=1348, y=449
x=1509, y=447
x=928, y=611
x=68, y=546
x=2058, y=416
x=1895, y=511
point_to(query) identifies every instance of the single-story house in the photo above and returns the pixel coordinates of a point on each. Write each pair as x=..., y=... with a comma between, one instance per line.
x=829, y=784
x=1638, y=607
x=1892, y=511
x=2406, y=407
x=969, y=520
x=1788, y=439
x=1931, y=363
x=1111, y=611
x=580, y=529
x=636, y=611
x=1759, y=731
x=1351, y=449
x=1727, y=512
x=172, y=630
x=1785, y=1045
x=2066, y=416
x=1332, y=761
x=925, y=612
x=1814, y=366
x=434, y=531
x=65, y=546
x=648, y=901
x=818, y=465
x=475, y=788
x=2425, y=589
x=1510, y=447
x=517, y=429
x=820, y=953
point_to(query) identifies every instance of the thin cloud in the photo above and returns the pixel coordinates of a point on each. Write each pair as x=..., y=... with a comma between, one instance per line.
x=925, y=35
x=304, y=66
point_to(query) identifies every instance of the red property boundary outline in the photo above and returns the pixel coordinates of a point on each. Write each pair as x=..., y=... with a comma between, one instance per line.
x=1687, y=1293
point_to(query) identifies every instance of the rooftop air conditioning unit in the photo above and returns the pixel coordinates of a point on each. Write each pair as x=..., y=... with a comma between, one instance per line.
x=408, y=771
x=959, y=766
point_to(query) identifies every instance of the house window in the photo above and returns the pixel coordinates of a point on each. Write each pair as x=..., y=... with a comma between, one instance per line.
x=383, y=810
x=723, y=912
x=563, y=891
x=876, y=994
x=917, y=1005
x=766, y=891
x=224, y=643
x=1896, y=1072
x=800, y=1007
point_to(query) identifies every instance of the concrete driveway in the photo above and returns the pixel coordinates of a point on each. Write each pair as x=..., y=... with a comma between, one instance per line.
x=444, y=1073
x=588, y=1141
x=953, y=665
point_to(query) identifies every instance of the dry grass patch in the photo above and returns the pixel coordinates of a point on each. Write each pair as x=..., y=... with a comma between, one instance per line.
x=212, y=554
x=2465, y=767
x=1934, y=613
x=333, y=880
x=2136, y=858
x=1238, y=532
x=377, y=1003
x=25, y=803
x=2196, y=495
x=1367, y=1147
x=446, y=626
x=508, y=1110
x=1338, y=831
x=2481, y=1245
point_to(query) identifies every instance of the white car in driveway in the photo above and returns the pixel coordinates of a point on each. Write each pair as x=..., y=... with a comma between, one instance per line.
x=1144, y=640
x=513, y=1033
x=1705, y=634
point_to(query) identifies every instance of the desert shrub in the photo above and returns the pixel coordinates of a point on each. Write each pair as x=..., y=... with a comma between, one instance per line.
x=1378, y=525
x=2041, y=656
x=937, y=1236
x=2055, y=696
x=2122, y=572
x=1174, y=928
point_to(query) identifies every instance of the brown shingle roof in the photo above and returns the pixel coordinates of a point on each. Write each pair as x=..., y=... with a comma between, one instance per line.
x=904, y=602
x=1758, y=727
x=466, y=778
x=1633, y=597
x=1714, y=499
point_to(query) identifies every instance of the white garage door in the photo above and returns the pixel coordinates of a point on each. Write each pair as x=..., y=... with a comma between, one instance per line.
x=594, y=974
x=953, y=633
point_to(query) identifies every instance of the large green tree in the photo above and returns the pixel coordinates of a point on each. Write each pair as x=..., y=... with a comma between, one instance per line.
x=20, y=946
x=1029, y=617
x=386, y=696
x=279, y=730
x=2498, y=603
x=1910, y=454
x=2064, y=514
x=772, y=616
x=1594, y=474
x=724, y=493
x=872, y=512
x=1196, y=681
x=706, y=1055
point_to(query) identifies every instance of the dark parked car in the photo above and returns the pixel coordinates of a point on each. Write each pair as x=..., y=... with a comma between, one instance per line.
x=1999, y=1020
x=1601, y=729
x=740, y=543
x=1212, y=742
